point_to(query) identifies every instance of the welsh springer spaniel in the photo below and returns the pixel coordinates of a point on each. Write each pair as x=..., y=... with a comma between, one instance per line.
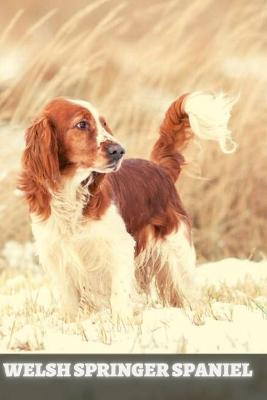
x=106, y=228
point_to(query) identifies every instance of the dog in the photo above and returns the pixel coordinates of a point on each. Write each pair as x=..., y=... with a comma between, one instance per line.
x=105, y=227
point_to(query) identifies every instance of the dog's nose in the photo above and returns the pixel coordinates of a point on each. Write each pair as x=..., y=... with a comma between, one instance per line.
x=116, y=151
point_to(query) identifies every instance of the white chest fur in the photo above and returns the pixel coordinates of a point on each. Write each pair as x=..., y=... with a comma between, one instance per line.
x=81, y=254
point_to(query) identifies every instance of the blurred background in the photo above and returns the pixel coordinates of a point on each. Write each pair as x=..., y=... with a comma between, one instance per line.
x=132, y=59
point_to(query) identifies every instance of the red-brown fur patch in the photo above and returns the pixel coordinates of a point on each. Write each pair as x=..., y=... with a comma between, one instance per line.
x=40, y=166
x=146, y=197
x=99, y=198
x=175, y=133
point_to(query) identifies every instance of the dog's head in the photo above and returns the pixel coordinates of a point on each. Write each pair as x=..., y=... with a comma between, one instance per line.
x=69, y=138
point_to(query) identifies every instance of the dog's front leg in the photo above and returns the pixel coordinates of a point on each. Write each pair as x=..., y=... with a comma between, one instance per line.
x=59, y=266
x=123, y=285
x=69, y=299
x=122, y=288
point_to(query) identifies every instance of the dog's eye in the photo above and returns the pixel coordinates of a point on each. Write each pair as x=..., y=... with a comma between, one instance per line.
x=82, y=125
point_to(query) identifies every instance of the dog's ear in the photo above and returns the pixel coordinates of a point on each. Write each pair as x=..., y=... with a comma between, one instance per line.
x=40, y=158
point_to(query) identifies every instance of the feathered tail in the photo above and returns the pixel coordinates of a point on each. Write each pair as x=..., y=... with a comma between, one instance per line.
x=197, y=114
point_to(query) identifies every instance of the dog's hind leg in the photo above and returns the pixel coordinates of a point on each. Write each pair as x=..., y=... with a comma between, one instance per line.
x=175, y=275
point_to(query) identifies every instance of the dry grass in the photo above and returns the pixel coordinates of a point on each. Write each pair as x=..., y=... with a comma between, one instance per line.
x=131, y=59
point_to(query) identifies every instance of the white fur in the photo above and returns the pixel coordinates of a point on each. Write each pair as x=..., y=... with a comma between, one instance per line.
x=102, y=134
x=87, y=259
x=177, y=254
x=209, y=115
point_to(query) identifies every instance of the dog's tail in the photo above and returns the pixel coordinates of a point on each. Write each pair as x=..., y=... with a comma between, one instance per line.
x=195, y=114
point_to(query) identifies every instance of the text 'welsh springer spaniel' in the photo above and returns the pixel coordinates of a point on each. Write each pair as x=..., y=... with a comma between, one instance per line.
x=107, y=228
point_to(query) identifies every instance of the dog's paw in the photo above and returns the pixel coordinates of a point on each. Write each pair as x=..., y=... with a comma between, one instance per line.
x=123, y=314
x=196, y=313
